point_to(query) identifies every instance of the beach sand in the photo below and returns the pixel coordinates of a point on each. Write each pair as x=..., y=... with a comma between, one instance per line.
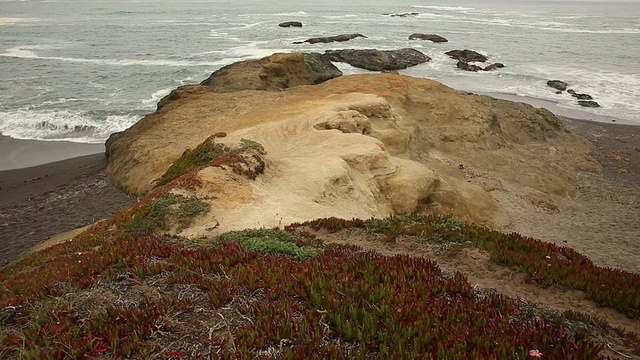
x=39, y=202
x=602, y=221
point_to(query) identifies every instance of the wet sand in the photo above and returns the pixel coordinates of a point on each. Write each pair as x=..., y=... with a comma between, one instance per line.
x=39, y=202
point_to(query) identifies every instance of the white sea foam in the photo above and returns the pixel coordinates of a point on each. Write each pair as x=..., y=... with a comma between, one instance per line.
x=11, y=21
x=62, y=125
x=156, y=96
x=446, y=8
x=26, y=52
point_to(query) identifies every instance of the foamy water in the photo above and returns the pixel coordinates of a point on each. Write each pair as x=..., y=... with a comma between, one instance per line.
x=81, y=70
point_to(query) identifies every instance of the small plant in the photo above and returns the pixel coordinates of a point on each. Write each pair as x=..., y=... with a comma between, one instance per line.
x=156, y=214
x=247, y=144
x=451, y=223
x=271, y=242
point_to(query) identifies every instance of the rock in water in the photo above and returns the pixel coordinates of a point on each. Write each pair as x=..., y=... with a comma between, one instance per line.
x=354, y=146
x=337, y=38
x=558, y=84
x=431, y=37
x=466, y=56
x=290, y=24
x=494, y=66
x=275, y=72
x=378, y=60
x=588, y=103
x=468, y=67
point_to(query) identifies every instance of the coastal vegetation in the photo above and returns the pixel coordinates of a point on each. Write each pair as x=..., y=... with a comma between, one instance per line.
x=268, y=293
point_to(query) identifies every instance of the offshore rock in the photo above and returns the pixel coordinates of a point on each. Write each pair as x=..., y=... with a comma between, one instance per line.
x=431, y=37
x=494, y=66
x=588, y=103
x=378, y=60
x=558, y=84
x=468, y=67
x=337, y=38
x=466, y=56
x=275, y=72
x=290, y=24
x=355, y=146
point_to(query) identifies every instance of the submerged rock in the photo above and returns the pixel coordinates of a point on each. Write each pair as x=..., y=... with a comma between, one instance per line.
x=378, y=60
x=411, y=14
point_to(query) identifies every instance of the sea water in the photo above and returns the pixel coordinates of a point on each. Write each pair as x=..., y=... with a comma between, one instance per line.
x=80, y=70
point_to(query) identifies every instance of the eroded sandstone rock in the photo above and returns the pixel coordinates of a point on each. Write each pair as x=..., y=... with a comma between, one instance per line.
x=355, y=146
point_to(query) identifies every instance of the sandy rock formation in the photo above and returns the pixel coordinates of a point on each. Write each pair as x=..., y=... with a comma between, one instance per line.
x=356, y=146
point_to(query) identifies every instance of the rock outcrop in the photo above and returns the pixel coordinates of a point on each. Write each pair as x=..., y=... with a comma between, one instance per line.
x=466, y=56
x=275, y=72
x=378, y=60
x=328, y=39
x=290, y=24
x=355, y=146
x=431, y=37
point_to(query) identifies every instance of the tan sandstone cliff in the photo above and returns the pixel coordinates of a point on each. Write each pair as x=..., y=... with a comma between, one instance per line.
x=356, y=146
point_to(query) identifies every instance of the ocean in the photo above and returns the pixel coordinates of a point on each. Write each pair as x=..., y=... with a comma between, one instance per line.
x=80, y=70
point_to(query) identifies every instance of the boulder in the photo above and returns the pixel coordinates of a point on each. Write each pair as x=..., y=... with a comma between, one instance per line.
x=356, y=146
x=378, y=60
x=494, y=66
x=290, y=24
x=431, y=37
x=275, y=72
x=466, y=55
x=337, y=38
x=468, y=67
x=588, y=103
x=558, y=85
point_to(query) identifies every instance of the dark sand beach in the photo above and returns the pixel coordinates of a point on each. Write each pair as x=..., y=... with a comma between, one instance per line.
x=45, y=200
x=39, y=202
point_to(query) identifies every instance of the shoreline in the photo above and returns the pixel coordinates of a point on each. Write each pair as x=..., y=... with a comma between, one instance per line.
x=19, y=154
x=37, y=203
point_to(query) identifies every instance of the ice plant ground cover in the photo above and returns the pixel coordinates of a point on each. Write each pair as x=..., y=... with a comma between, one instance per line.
x=113, y=294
